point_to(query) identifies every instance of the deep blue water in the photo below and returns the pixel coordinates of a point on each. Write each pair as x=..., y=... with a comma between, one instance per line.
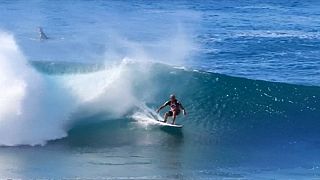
x=247, y=72
x=270, y=40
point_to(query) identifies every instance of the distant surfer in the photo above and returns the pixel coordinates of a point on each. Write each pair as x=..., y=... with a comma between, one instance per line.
x=175, y=108
x=42, y=35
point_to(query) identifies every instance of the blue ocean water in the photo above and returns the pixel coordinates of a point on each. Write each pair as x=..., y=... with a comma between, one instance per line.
x=75, y=105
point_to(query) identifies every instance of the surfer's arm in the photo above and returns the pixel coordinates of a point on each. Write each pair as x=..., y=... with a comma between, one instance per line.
x=184, y=110
x=161, y=107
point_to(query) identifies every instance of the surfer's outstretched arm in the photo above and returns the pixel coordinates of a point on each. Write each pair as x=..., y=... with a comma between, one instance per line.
x=161, y=107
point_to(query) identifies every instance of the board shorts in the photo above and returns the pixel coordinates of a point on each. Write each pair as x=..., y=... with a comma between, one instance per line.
x=170, y=113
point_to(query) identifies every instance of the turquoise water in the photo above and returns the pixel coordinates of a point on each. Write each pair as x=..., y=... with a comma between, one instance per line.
x=247, y=73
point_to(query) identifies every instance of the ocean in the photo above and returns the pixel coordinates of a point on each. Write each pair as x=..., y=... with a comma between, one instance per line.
x=74, y=106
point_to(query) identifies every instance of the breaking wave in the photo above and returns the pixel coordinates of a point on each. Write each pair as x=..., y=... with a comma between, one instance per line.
x=42, y=101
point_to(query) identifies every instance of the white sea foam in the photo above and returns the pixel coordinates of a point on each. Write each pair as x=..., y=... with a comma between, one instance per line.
x=30, y=110
x=35, y=108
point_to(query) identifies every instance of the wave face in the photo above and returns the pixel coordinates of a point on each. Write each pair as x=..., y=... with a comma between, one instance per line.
x=220, y=107
x=42, y=101
x=231, y=108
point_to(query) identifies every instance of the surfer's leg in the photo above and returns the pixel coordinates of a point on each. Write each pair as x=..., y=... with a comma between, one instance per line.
x=174, y=117
x=166, y=115
x=175, y=114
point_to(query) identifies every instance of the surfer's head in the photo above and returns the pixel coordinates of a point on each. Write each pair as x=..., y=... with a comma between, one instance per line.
x=172, y=97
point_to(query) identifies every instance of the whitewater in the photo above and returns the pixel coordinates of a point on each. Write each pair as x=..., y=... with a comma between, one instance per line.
x=37, y=107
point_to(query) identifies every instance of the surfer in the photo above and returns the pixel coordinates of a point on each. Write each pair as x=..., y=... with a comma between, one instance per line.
x=42, y=35
x=175, y=108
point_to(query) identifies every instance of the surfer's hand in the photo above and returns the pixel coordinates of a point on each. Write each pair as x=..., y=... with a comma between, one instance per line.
x=184, y=112
x=157, y=110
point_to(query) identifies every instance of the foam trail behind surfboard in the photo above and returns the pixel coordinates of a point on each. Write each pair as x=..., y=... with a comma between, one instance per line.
x=151, y=113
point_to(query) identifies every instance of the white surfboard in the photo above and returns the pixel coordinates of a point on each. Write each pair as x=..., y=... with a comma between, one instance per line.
x=161, y=123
